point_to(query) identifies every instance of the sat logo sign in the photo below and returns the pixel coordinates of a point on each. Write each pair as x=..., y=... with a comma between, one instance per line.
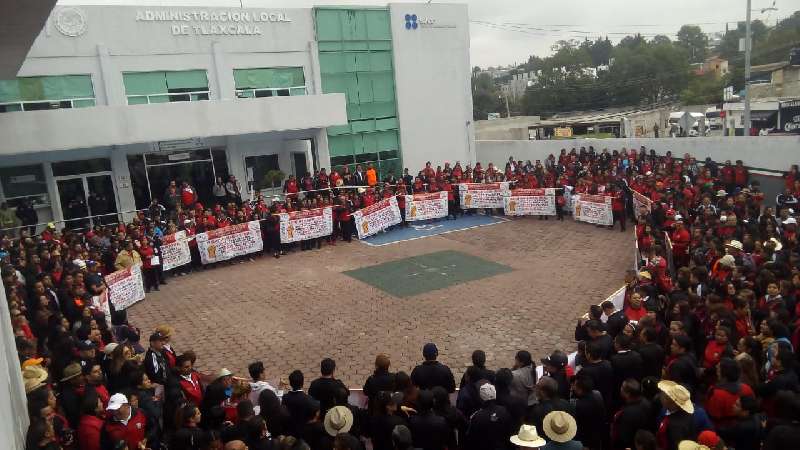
x=413, y=22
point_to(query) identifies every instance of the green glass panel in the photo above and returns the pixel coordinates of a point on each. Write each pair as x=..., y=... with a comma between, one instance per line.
x=378, y=25
x=387, y=140
x=363, y=126
x=73, y=86
x=384, y=109
x=329, y=25
x=83, y=103
x=143, y=83
x=31, y=88
x=365, y=87
x=297, y=91
x=380, y=45
x=187, y=79
x=338, y=130
x=390, y=123
x=9, y=91
x=370, y=142
x=353, y=111
x=349, y=62
x=367, y=110
x=11, y=107
x=382, y=86
x=332, y=63
x=159, y=99
x=246, y=94
x=137, y=100
x=354, y=25
x=362, y=62
x=359, y=46
x=358, y=144
x=340, y=145
x=380, y=61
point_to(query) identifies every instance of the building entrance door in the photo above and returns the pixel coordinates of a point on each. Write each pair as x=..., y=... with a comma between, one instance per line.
x=300, y=165
x=87, y=200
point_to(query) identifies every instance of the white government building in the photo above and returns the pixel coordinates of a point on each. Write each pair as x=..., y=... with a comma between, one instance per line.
x=113, y=102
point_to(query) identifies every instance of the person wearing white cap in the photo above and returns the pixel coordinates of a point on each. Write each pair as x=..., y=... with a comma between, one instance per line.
x=125, y=423
x=490, y=426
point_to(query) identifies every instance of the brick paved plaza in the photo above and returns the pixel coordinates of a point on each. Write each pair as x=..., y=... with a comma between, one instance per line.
x=294, y=311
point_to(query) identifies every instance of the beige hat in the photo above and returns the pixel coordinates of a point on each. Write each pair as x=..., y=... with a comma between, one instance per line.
x=691, y=445
x=110, y=347
x=728, y=261
x=735, y=244
x=71, y=371
x=645, y=274
x=338, y=419
x=559, y=426
x=778, y=245
x=33, y=377
x=677, y=394
x=527, y=437
x=223, y=373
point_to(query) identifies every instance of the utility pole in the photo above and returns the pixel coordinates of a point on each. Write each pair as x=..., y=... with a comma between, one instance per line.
x=508, y=110
x=748, y=46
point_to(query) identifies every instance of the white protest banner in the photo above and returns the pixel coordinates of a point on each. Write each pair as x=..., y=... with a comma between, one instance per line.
x=641, y=204
x=126, y=287
x=100, y=303
x=489, y=195
x=377, y=217
x=568, y=199
x=175, y=250
x=530, y=202
x=226, y=243
x=309, y=224
x=593, y=209
x=426, y=206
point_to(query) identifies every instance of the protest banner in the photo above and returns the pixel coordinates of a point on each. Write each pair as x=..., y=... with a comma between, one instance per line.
x=225, y=243
x=426, y=206
x=530, y=202
x=489, y=195
x=125, y=287
x=175, y=251
x=310, y=224
x=568, y=199
x=100, y=303
x=377, y=217
x=593, y=209
x=641, y=204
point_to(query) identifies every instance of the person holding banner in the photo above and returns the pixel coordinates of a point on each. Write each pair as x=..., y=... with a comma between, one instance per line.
x=151, y=262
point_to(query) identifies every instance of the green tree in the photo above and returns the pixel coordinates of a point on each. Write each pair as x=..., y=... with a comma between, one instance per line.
x=692, y=38
x=485, y=96
x=703, y=89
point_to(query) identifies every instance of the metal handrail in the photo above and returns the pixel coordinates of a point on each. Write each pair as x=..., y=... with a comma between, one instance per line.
x=30, y=102
x=75, y=219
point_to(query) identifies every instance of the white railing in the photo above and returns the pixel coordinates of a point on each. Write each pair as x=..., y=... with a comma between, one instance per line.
x=54, y=104
x=150, y=97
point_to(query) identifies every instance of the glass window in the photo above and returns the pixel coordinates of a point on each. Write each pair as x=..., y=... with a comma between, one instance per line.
x=156, y=87
x=65, y=168
x=154, y=159
x=47, y=92
x=260, y=166
x=23, y=181
x=141, y=190
x=269, y=82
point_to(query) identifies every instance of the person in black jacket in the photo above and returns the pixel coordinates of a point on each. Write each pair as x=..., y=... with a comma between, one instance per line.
x=383, y=420
x=747, y=431
x=556, y=367
x=627, y=364
x=274, y=413
x=652, y=354
x=601, y=372
x=431, y=372
x=216, y=393
x=678, y=424
x=323, y=389
x=683, y=368
x=634, y=415
x=581, y=332
x=590, y=413
x=430, y=431
x=380, y=380
x=155, y=363
x=455, y=419
x=301, y=406
x=616, y=319
x=599, y=336
x=71, y=393
x=479, y=362
x=549, y=401
x=516, y=406
x=491, y=426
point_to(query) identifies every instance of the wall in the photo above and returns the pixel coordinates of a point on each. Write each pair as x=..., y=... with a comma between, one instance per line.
x=13, y=403
x=770, y=153
x=432, y=73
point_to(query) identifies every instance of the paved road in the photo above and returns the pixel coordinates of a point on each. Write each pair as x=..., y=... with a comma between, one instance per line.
x=294, y=311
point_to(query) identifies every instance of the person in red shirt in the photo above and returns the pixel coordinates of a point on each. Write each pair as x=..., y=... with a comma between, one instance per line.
x=447, y=186
x=91, y=423
x=419, y=186
x=634, y=310
x=125, y=423
x=723, y=395
x=680, y=243
x=189, y=380
x=740, y=174
x=717, y=348
x=188, y=195
x=618, y=208
x=150, y=264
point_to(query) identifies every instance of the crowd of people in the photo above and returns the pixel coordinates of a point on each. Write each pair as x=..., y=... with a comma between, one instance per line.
x=701, y=355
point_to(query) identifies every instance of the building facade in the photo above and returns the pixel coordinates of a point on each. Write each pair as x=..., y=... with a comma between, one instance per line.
x=112, y=103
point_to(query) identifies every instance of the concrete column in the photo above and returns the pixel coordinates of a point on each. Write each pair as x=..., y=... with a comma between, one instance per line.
x=315, y=87
x=122, y=180
x=236, y=166
x=52, y=192
x=111, y=82
x=321, y=145
x=224, y=75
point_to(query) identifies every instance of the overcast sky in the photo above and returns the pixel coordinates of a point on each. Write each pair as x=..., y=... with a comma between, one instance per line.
x=508, y=31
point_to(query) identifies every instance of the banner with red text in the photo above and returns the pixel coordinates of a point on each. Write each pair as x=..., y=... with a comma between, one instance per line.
x=175, y=250
x=641, y=204
x=593, y=209
x=225, y=243
x=377, y=217
x=426, y=206
x=530, y=202
x=310, y=224
x=125, y=287
x=489, y=195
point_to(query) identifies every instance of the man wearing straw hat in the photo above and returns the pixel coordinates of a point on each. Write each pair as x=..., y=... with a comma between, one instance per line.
x=677, y=424
x=527, y=438
x=560, y=428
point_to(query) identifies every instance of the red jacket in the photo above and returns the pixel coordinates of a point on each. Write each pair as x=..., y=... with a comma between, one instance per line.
x=721, y=398
x=89, y=432
x=133, y=433
x=192, y=390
